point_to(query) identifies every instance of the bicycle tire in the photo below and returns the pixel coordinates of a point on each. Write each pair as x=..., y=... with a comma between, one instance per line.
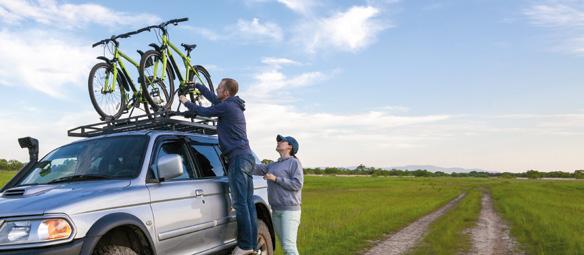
x=145, y=82
x=91, y=87
x=207, y=77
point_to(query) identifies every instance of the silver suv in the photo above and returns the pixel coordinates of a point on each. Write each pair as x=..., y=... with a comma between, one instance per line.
x=137, y=192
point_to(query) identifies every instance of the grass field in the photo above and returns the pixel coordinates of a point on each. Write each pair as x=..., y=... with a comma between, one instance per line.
x=5, y=176
x=345, y=215
x=546, y=217
x=447, y=234
x=341, y=215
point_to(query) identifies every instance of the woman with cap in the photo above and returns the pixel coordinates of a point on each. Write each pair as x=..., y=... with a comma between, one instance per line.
x=285, y=180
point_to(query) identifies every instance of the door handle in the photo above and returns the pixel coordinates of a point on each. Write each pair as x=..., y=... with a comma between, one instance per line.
x=199, y=193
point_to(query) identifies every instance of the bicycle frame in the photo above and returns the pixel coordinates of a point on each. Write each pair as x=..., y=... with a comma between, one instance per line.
x=118, y=56
x=167, y=48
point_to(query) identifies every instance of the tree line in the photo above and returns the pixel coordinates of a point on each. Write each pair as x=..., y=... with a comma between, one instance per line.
x=372, y=171
x=10, y=165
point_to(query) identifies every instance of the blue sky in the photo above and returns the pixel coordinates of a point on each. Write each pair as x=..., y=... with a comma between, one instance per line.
x=490, y=84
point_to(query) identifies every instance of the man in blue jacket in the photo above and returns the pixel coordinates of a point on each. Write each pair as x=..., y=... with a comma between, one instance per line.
x=231, y=129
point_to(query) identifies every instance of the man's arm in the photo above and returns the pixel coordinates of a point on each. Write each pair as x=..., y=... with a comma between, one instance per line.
x=260, y=169
x=293, y=182
x=208, y=94
x=213, y=111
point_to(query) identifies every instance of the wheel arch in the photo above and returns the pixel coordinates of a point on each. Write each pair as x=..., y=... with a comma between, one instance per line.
x=111, y=222
x=264, y=213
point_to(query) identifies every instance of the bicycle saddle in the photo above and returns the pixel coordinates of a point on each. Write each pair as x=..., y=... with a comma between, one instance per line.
x=188, y=47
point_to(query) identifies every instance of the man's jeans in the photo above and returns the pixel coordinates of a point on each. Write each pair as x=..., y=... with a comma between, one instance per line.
x=241, y=185
x=286, y=226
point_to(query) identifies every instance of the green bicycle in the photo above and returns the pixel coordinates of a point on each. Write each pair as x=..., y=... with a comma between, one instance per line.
x=159, y=65
x=109, y=82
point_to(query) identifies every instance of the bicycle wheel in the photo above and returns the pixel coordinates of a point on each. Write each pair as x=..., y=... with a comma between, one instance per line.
x=108, y=104
x=157, y=91
x=149, y=108
x=203, y=78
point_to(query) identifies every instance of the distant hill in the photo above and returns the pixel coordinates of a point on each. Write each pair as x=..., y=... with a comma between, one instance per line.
x=437, y=168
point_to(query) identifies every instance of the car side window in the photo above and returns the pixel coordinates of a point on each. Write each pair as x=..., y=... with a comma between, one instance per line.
x=177, y=148
x=208, y=161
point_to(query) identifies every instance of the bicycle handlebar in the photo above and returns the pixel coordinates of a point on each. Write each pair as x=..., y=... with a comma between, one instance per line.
x=125, y=35
x=173, y=21
x=100, y=42
x=145, y=29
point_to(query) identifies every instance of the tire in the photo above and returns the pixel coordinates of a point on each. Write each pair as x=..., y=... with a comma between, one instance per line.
x=148, y=90
x=112, y=249
x=265, y=243
x=205, y=80
x=101, y=107
x=150, y=110
x=206, y=77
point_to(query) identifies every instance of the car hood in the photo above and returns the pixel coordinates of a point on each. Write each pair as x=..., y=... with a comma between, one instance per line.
x=59, y=198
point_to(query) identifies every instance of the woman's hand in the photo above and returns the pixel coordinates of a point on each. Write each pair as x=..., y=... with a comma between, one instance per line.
x=270, y=177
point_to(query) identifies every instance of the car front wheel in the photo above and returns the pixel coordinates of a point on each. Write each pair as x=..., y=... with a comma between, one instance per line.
x=265, y=244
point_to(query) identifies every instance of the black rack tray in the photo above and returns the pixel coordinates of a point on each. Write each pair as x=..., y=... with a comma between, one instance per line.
x=160, y=121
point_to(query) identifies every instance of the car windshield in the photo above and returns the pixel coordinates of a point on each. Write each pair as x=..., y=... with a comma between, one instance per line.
x=118, y=157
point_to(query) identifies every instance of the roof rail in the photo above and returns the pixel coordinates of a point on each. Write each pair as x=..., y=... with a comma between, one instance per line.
x=157, y=121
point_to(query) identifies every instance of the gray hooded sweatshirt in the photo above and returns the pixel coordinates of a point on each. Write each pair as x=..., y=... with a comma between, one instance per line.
x=285, y=194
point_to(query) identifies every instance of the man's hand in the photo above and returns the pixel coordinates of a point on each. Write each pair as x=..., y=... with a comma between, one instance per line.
x=183, y=99
x=270, y=177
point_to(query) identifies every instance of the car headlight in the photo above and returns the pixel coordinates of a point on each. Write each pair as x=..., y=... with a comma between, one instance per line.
x=34, y=231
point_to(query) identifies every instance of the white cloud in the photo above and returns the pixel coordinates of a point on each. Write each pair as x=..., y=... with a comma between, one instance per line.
x=279, y=61
x=50, y=12
x=565, y=18
x=49, y=128
x=299, y=6
x=350, y=30
x=556, y=14
x=271, y=84
x=209, y=34
x=258, y=31
x=245, y=31
x=44, y=61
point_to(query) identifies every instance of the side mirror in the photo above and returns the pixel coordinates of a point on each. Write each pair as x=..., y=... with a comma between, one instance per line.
x=32, y=145
x=170, y=166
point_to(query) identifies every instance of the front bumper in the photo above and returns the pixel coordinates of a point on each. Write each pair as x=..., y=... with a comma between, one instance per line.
x=72, y=248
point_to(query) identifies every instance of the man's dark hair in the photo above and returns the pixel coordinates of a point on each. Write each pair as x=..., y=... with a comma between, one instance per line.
x=231, y=86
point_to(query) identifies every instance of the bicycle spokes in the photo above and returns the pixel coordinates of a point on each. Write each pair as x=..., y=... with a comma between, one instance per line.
x=109, y=101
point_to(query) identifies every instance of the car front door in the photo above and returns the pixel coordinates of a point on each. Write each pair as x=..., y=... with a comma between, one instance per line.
x=178, y=204
x=215, y=184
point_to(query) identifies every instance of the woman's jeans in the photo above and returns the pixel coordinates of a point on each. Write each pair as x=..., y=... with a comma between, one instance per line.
x=286, y=226
x=241, y=185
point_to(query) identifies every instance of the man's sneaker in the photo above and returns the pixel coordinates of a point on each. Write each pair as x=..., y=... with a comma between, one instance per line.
x=239, y=251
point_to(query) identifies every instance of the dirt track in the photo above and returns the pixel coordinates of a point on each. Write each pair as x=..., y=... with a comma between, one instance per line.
x=405, y=239
x=491, y=235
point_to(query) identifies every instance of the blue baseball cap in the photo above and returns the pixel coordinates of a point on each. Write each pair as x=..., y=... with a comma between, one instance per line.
x=290, y=141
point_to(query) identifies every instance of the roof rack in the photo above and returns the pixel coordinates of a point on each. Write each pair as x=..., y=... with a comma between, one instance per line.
x=157, y=121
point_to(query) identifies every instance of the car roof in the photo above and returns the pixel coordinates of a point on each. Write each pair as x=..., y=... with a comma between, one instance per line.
x=156, y=133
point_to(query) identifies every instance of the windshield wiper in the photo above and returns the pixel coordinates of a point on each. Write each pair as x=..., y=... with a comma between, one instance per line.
x=81, y=177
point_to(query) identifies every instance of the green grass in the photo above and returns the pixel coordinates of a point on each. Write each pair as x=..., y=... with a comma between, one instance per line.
x=345, y=215
x=5, y=176
x=342, y=215
x=546, y=217
x=447, y=234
